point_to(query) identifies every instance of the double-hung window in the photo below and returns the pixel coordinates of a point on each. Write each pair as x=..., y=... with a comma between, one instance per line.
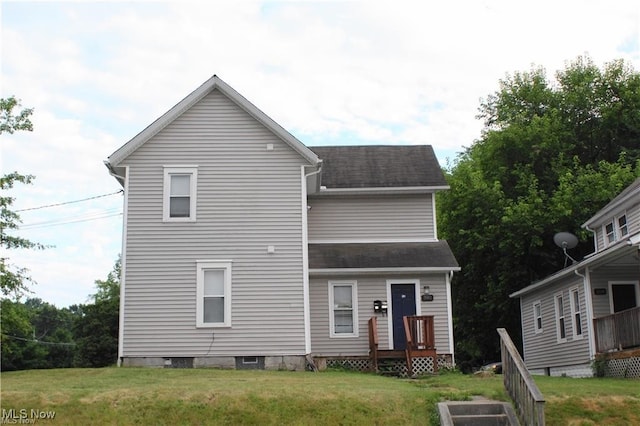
x=560, y=321
x=537, y=317
x=622, y=225
x=576, y=317
x=213, y=305
x=343, y=309
x=180, y=193
x=610, y=233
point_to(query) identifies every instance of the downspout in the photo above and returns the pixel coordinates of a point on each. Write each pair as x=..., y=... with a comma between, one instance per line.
x=124, y=181
x=586, y=279
x=448, y=278
x=305, y=256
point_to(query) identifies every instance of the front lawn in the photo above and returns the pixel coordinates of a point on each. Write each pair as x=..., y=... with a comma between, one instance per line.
x=209, y=396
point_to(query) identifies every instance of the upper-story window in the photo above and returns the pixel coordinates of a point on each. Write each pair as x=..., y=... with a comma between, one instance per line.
x=622, y=225
x=180, y=191
x=615, y=229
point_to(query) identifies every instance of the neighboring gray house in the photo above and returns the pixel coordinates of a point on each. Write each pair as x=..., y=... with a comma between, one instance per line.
x=244, y=248
x=593, y=306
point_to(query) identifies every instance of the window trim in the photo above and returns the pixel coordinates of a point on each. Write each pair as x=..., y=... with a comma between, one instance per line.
x=354, y=309
x=193, y=192
x=207, y=265
x=535, y=317
x=575, y=311
x=561, y=320
x=616, y=232
x=606, y=234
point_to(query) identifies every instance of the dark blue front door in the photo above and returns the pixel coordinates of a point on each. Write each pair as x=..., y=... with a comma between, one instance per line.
x=403, y=303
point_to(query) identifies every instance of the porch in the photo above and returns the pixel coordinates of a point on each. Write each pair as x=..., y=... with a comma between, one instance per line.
x=419, y=355
x=618, y=331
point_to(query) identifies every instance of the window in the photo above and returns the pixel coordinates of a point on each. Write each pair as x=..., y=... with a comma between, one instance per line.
x=179, y=203
x=576, y=316
x=622, y=225
x=213, y=305
x=616, y=229
x=560, y=326
x=537, y=317
x=343, y=309
x=610, y=233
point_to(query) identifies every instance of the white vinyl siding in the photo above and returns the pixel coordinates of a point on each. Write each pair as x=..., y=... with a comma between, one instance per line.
x=377, y=218
x=576, y=313
x=561, y=329
x=249, y=198
x=180, y=194
x=343, y=309
x=213, y=304
x=537, y=317
x=543, y=349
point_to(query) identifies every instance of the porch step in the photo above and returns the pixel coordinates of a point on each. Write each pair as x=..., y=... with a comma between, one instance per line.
x=481, y=413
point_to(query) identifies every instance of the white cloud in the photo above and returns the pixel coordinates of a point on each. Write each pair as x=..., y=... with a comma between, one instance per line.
x=382, y=72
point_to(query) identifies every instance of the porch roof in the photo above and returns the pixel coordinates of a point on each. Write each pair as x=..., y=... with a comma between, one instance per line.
x=419, y=256
x=622, y=248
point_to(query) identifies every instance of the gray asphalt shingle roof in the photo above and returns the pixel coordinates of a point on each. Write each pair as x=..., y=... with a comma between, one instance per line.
x=379, y=166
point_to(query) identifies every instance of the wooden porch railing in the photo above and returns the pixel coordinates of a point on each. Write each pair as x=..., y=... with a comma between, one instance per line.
x=524, y=392
x=373, y=342
x=420, y=334
x=617, y=331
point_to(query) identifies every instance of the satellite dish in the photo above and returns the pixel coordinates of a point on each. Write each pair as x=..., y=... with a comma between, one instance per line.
x=565, y=240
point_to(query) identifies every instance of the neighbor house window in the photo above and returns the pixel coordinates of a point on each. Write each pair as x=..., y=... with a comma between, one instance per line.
x=343, y=309
x=560, y=322
x=537, y=317
x=576, y=317
x=609, y=233
x=622, y=225
x=180, y=188
x=213, y=304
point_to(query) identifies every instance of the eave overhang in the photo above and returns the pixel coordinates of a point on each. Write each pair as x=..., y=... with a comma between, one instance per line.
x=621, y=248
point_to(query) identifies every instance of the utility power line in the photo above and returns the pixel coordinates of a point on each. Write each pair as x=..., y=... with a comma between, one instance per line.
x=41, y=342
x=69, y=202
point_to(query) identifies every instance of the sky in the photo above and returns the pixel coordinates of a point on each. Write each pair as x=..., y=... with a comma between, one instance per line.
x=330, y=72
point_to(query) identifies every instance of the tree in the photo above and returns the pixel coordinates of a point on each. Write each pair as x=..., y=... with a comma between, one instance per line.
x=13, y=279
x=550, y=155
x=96, y=326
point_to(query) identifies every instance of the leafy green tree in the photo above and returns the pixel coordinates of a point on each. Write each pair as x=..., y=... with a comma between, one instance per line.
x=96, y=326
x=35, y=334
x=550, y=155
x=13, y=279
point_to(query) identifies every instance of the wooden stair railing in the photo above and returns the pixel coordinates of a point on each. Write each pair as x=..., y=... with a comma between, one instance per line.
x=373, y=342
x=420, y=334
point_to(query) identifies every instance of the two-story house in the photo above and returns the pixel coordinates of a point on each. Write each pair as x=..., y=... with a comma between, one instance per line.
x=590, y=307
x=244, y=248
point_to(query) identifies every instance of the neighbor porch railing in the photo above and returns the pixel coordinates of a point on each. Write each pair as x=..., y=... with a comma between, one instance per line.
x=617, y=331
x=524, y=392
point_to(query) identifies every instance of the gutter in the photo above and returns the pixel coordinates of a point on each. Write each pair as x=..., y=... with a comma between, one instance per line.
x=113, y=172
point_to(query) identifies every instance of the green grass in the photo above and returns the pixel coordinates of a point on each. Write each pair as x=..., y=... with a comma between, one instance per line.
x=122, y=396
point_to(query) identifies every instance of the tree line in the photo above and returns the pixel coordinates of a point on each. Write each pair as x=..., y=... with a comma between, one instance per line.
x=551, y=154
x=37, y=334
